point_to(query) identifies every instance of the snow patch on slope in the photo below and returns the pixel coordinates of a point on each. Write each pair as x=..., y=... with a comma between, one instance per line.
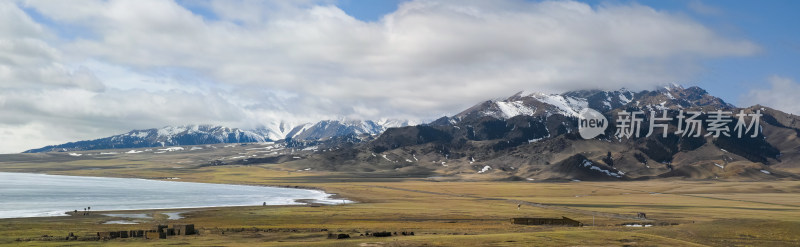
x=591, y=166
x=566, y=105
x=514, y=108
x=170, y=131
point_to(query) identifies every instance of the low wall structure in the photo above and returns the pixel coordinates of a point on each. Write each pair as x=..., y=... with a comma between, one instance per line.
x=564, y=221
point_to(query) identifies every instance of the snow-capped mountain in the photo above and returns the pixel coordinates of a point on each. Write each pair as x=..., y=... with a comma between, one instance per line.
x=571, y=103
x=166, y=136
x=210, y=134
x=277, y=130
x=332, y=128
x=534, y=136
x=528, y=135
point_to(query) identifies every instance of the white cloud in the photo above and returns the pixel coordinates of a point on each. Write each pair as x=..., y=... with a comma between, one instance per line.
x=781, y=95
x=17, y=136
x=139, y=64
x=28, y=61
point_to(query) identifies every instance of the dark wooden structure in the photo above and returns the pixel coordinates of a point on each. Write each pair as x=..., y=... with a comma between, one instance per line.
x=564, y=221
x=136, y=233
x=160, y=232
x=183, y=229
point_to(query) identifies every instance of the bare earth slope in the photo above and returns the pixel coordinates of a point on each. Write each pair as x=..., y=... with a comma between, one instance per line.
x=533, y=136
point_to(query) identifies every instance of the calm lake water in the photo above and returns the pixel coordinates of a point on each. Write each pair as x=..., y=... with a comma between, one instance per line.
x=34, y=195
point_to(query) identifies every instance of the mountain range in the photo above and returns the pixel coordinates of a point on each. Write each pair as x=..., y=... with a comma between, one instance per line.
x=213, y=134
x=534, y=136
x=527, y=136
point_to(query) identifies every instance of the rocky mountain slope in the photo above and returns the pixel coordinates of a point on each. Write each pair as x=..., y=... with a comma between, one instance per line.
x=533, y=136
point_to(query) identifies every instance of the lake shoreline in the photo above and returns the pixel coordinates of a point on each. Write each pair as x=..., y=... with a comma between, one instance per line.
x=272, y=198
x=303, y=187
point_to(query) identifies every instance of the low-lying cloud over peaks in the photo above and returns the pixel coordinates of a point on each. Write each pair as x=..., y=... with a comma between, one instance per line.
x=110, y=66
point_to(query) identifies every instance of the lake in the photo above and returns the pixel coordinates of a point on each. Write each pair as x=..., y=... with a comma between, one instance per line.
x=35, y=195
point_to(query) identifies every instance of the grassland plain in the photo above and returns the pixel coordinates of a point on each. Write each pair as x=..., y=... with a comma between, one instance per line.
x=715, y=213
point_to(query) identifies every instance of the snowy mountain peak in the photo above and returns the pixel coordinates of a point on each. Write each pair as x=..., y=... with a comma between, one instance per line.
x=527, y=104
x=571, y=103
x=331, y=128
x=166, y=136
x=565, y=105
x=212, y=134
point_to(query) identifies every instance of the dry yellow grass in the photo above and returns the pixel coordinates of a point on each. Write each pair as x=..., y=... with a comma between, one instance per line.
x=451, y=213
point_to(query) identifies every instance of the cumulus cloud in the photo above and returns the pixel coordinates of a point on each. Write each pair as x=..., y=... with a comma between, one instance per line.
x=28, y=61
x=140, y=64
x=781, y=94
x=466, y=48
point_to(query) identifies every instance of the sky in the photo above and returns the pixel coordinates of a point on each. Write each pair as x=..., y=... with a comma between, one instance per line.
x=86, y=69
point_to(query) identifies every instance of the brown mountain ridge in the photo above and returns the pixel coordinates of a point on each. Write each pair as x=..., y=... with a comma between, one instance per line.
x=534, y=136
